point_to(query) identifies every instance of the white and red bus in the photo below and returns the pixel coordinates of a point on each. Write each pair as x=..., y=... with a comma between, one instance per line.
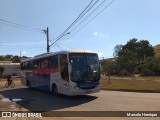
x=72, y=72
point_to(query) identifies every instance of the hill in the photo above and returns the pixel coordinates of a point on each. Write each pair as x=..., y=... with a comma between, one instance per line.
x=157, y=50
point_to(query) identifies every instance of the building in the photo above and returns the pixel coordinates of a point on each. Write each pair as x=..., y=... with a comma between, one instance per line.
x=10, y=68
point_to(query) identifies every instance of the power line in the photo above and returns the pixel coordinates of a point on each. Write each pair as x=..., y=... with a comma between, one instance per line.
x=13, y=24
x=93, y=11
x=87, y=9
x=102, y=3
x=93, y=18
x=78, y=18
x=20, y=27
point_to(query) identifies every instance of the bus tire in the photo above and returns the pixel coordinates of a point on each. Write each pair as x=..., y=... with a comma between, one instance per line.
x=29, y=84
x=54, y=90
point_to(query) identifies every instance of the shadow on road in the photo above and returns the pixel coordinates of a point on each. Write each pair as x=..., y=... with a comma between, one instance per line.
x=34, y=100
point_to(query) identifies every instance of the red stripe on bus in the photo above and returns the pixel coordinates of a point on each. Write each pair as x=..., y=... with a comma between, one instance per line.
x=45, y=71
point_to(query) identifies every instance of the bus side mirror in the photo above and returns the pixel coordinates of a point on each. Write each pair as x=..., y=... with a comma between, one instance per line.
x=69, y=68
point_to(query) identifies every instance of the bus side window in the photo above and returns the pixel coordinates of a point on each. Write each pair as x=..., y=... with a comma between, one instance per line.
x=39, y=64
x=26, y=65
x=45, y=63
x=31, y=65
x=64, y=66
x=22, y=66
x=53, y=62
x=50, y=66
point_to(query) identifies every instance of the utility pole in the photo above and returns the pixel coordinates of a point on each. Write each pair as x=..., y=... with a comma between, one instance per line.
x=47, y=33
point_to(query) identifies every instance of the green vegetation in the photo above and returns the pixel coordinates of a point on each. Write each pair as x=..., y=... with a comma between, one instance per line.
x=135, y=57
x=14, y=59
x=135, y=67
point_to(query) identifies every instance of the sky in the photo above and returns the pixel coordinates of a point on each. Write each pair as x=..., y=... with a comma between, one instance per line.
x=101, y=32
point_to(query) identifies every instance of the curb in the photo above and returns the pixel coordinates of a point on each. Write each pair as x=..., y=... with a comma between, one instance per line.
x=140, y=91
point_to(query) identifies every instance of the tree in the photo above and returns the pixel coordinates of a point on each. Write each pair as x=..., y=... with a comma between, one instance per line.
x=8, y=57
x=127, y=60
x=151, y=66
x=144, y=49
x=117, y=49
x=131, y=45
x=132, y=54
x=16, y=59
x=1, y=58
x=108, y=66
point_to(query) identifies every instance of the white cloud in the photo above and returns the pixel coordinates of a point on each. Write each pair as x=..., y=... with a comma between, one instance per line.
x=95, y=33
x=99, y=34
x=24, y=52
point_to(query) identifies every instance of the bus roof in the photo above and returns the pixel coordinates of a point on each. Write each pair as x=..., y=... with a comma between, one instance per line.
x=60, y=52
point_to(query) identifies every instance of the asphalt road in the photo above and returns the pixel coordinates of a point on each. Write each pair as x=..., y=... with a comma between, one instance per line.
x=33, y=100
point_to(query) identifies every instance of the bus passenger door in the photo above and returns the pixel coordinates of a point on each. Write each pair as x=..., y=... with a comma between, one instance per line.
x=63, y=59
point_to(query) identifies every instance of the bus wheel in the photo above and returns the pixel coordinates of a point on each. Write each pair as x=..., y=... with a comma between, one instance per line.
x=54, y=90
x=28, y=84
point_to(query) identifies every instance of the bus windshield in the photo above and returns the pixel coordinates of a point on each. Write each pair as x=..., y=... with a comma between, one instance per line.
x=85, y=67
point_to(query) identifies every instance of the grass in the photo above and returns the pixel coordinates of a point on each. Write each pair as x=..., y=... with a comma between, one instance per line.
x=130, y=84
